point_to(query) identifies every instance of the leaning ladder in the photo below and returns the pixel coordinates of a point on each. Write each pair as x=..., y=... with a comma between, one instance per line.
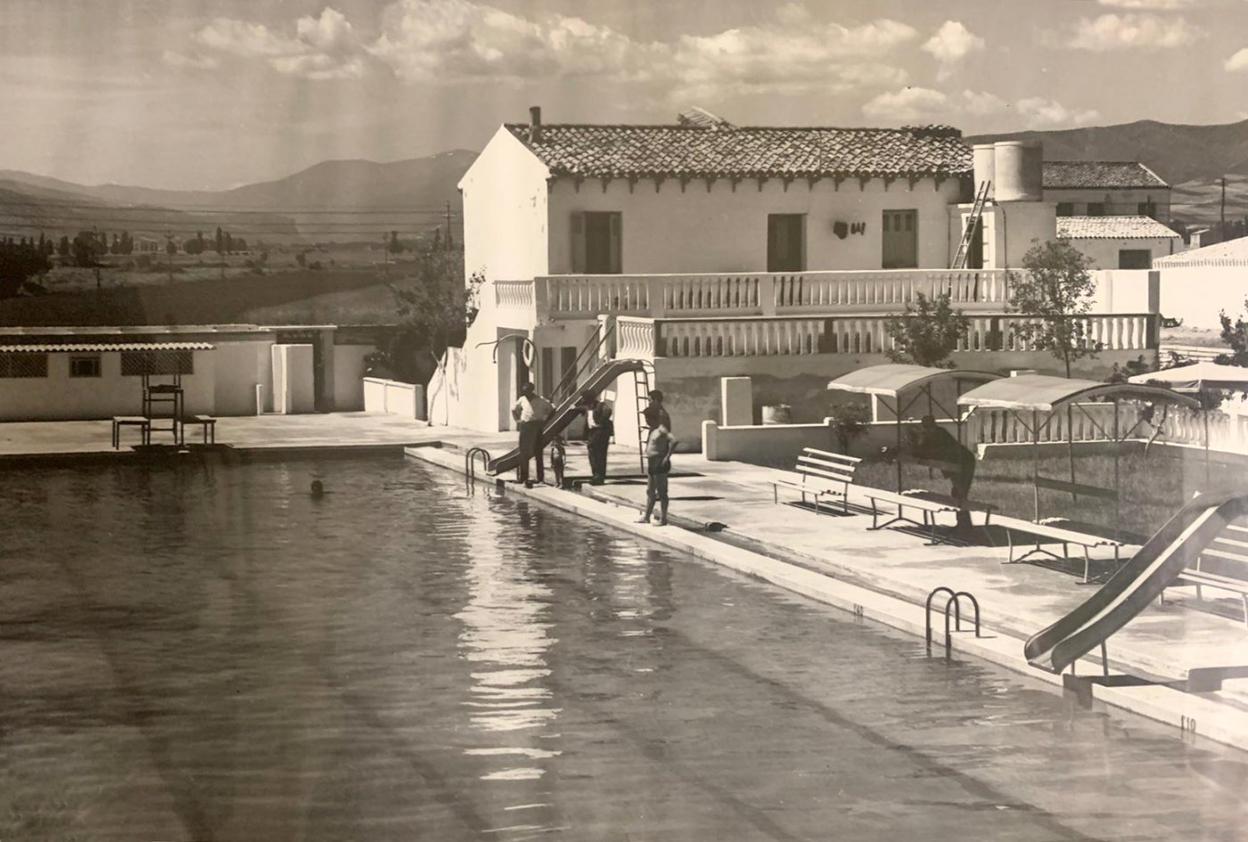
x=641, y=391
x=968, y=235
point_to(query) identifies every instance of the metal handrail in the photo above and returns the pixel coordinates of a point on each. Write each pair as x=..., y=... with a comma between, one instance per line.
x=470, y=463
x=955, y=599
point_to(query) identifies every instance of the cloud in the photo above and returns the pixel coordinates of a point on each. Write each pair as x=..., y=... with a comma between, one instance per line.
x=908, y=104
x=1121, y=32
x=1159, y=5
x=324, y=47
x=983, y=104
x=1039, y=112
x=952, y=43
x=189, y=62
x=446, y=41
x=1239, y=61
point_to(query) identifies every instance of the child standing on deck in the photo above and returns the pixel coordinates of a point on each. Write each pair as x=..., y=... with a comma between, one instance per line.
x=659, y=446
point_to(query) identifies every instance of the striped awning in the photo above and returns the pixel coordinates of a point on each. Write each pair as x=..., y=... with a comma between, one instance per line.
x=98, y=347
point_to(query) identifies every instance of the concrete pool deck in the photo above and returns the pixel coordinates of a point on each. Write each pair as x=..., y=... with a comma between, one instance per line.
x=881, y=575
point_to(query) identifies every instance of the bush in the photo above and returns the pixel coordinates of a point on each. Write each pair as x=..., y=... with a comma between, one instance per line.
x=849, y=421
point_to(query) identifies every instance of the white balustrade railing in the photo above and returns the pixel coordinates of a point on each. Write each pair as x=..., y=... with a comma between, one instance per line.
x=514, y=295
x=635, y=338
x=1131, y=332
x=739, y=337
x=1087, y=422
x=765, y=293
x=889, y=290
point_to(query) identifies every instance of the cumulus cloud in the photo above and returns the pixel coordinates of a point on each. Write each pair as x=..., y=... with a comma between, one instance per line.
x=324, y=47
x=438, y=41
x=1039, y=112
x=907, y=105
x=952, y=43
x=1239, y=61
x=1121, y=32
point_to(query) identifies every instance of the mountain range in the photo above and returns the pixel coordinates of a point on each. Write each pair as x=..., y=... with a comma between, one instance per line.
x=364, y=200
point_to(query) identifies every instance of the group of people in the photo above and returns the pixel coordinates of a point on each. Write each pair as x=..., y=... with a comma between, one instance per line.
x=531, y=412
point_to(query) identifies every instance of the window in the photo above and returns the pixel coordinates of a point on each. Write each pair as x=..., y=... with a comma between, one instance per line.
x=1096, y=208
x=1147, y=208
x=1065, y=209
x=786, y=242
x=597, y=242
x=901, y=239
x=1135, y=259
x=84, y=366
x=137, y=363
x=23, y=365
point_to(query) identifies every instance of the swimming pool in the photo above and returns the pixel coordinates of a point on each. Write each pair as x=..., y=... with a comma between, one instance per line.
x=207, y=652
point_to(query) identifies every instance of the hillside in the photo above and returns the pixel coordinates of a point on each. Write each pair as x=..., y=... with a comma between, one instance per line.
x=409, y=196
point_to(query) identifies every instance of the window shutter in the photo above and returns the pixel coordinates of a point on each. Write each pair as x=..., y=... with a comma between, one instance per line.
x=578, y=242
x=617, y=220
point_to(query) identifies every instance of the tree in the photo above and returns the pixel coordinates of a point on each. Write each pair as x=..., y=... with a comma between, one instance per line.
x=220, y=242
x=229, y=243
x=1053, y=295
x=62, y=248
x=88, y=247
x=849, y=421
x=1234, y=334
x=18, y=262
x=395, y=247
x=928, y=332
x=435, y=308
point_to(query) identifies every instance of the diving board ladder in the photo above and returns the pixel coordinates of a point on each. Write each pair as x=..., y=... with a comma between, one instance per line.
x=972, y=223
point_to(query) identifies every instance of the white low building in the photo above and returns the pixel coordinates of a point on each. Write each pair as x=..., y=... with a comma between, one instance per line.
x=80, y=373
x=1119, y=242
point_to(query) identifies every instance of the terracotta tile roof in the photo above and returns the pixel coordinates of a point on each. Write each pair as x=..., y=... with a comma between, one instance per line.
x=1065, y=175
x=95, y=347
x=691, y=151
x=1111, y=228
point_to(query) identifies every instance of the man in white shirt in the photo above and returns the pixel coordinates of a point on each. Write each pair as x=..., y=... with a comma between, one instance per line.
x=531, y=412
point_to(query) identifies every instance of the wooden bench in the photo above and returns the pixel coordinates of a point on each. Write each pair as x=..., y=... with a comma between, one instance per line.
x=823, y=474
x=1223, y=565
x=207, y=424
x=142, y=422
x=1051, y=530
x=928, y=503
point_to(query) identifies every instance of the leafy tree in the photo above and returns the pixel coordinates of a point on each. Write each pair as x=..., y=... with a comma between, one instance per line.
x=435, y=307
x=18, y=262
x=1053, y=295
x=395, y=247
x=62, y=248
x=437, y=239
x=88, y=247
x=220, y=241
x=928, y=332
x=229, y=243
x=849, y=421
x=1234, y=334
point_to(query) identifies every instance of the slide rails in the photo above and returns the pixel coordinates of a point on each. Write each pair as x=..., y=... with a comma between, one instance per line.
x=567, y=411
x=1162, y=559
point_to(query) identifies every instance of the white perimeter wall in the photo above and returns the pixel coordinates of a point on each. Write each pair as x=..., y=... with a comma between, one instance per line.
x=672, y=231
x=242, y=365
x=1196, y=294
x=59, y=397
x=349, y=376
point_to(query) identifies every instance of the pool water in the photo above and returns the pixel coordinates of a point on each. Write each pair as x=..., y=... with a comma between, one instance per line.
x=206, y=652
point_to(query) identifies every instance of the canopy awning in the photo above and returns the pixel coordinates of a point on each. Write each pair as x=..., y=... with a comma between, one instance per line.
x=1193, y=378
x=1044, y=393
x=892, y=379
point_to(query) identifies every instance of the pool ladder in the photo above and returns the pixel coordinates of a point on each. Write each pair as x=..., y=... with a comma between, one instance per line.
x=955, y=601
x=471, y=458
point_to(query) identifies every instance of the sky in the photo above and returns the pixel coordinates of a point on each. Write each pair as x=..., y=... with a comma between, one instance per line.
x=210, y=94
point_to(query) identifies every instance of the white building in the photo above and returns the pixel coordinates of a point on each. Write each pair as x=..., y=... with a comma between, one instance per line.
x=1106, y=188
x=709, y=250
x=81, y=373
x=1119, y=242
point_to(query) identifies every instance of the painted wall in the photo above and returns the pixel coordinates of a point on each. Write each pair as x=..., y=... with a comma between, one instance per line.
x=504, y=194
x=1104, y=253
x=1117, y=202
x=241, y=365
x=1196, y=294
x=61, y=397
x=348, y=371
x=1012, y=228
x=391, y=397
x=293, y=382
x=725, y=230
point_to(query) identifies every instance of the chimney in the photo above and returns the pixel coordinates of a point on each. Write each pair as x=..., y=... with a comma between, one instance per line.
x=535, y=124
